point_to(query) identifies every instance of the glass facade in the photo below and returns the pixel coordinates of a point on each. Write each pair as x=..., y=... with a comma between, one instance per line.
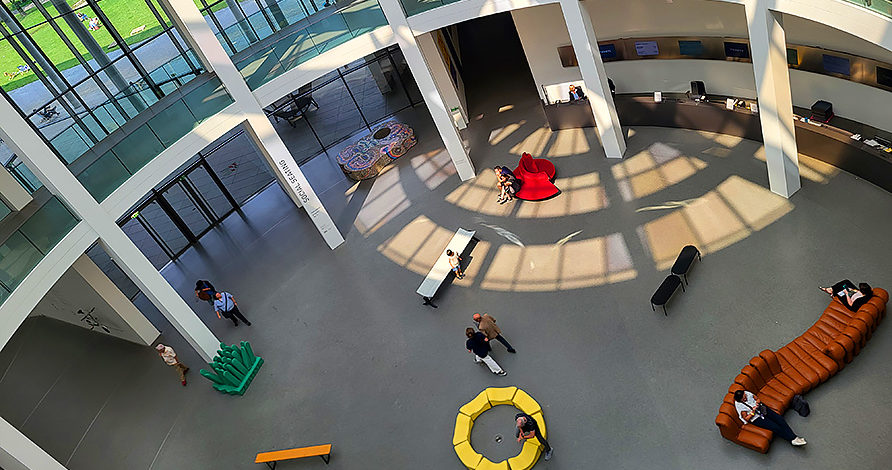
x=879, y=6
x=303, y=30
x=350, y=99
x=80, y=70
x=25, y=247
x=413, y=7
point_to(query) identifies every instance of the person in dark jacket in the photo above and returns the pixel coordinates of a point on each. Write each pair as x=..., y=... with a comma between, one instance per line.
x=847, y=294
x=479, y=347
x=528, y=428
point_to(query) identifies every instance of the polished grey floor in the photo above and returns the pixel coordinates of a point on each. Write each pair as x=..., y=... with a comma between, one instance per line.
x=353, y=359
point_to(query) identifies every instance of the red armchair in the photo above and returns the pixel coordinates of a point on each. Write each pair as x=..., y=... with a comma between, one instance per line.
x=535, y=176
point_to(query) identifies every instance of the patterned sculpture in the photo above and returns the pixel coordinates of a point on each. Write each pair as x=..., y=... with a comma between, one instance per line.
x=234, y=368
x=370, y=154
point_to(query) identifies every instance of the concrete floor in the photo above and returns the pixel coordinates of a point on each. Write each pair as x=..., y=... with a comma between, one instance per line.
x=353, y=359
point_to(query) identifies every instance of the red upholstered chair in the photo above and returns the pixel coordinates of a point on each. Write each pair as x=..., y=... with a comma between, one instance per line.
x=535, y=176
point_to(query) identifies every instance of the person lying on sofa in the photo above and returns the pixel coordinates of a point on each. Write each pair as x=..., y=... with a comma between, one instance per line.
x=845, y=291
x=751, y=410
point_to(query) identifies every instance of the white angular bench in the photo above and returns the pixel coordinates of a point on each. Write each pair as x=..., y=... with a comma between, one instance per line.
x=441, y=269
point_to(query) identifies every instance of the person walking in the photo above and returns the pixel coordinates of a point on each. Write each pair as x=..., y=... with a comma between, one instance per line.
x=528, y=428
x=487, y=325
x=478, y=346
x=170, y=358
x=226, y=307
x=204, y=290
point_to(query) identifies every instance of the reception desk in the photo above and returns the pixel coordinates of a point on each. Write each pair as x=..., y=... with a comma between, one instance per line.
x=831, y=143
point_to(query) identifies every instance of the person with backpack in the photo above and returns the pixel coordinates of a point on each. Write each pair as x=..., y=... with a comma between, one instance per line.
x=226, y=307
x=204, y=290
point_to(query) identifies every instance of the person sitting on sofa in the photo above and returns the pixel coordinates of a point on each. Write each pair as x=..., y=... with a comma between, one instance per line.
x=507, y=183
x=751, y=410
x=845, y=291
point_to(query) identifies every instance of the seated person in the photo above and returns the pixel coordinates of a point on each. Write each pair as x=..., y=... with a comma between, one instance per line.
x=576, y=93
x=455, y=264
x=751, y=410
x=508, y=184
x=845, y=292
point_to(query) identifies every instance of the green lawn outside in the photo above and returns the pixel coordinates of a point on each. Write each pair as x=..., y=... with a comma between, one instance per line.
x=126, y=15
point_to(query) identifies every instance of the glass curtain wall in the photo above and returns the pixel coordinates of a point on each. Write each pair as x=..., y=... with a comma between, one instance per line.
x=321, y=114
x=78, y=70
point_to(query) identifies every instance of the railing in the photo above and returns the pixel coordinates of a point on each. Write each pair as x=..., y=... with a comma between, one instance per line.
x=414, y=7
x=880, y=6
x=305, y=39
x=30, y=243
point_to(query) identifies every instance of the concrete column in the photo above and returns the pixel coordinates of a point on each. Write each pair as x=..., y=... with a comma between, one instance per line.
x=768, y=44
x=442, y=78
x=425, y=80
x=17, y=452
x=195, y=30
x=32, y=149
x=585, y=44
x=115, y=299
x=12, y=192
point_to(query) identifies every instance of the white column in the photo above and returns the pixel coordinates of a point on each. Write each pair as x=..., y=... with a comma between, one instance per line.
x=442, y=78
x=422, y=74
x=12, y=192
x=768, y=46
x=585, y=44
x=31, y=148
x=17, y=452
x=116, y=300
x=195, y=30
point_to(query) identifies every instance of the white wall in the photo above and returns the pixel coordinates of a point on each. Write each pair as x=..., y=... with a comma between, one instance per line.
x=72, y=293
x=542, y=31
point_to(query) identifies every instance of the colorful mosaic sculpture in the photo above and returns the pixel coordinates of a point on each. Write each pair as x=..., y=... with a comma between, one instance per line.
x=234, y=368
x=368, y=156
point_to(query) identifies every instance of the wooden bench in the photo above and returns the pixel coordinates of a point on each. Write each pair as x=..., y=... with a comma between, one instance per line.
x=441, y=269
x=684, y=261
x=274, y=457
x=665, y=291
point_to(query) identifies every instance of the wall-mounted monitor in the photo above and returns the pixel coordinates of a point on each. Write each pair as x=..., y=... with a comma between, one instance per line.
x=608, y=51
x=690, y=48
x=646, y=48
x=836, y=64
x=568, y=56
x=884, y=76
x=737, y=50
x=792, y=57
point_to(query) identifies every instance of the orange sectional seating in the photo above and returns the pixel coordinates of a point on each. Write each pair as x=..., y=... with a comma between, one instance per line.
x=535, y=175
x=809, y=360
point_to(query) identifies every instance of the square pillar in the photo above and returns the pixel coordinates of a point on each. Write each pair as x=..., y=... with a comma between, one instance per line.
x=768, y=44
x=196, y=32
x=11, y=191
x=17, y=452
x=588, y=55
x=442, y=77
x=393, y=11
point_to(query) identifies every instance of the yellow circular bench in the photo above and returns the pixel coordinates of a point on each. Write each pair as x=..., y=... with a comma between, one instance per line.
x=464, y=422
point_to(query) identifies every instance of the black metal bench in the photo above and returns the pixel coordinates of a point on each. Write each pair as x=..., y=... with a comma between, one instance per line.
x=684, y=261
x=664, y=292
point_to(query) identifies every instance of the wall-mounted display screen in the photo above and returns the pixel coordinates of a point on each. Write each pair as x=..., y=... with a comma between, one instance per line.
x=646, y=48
x=884, y=76
x=835, y=64
x=690, y=48
x=608, y=51
x=737, y=49
x=792, y=57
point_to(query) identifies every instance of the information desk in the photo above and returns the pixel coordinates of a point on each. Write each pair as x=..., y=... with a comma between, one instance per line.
x=831, y=143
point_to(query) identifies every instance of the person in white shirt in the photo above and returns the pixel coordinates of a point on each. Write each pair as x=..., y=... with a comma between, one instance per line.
x=170, y=358
x=751, y=410
x=454, y=263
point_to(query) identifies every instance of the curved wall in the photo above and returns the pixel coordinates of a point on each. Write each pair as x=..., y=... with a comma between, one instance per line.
x=542, y=31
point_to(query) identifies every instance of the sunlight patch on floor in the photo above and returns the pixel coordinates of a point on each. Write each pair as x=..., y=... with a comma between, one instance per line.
x=653, y=170
x=579, y=195
x=543, y=142
x=480, y=195
x=386, y=200
x=721, y=217
x=433, y=168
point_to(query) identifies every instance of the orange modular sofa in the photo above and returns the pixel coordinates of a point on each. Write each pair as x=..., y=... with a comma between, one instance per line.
x=809, y=360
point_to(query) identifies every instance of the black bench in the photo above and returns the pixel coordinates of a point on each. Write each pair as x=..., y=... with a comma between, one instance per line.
x=684, y=261
x=665, y=291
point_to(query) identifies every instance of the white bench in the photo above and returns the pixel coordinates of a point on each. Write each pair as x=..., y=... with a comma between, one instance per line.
x=441, y=269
